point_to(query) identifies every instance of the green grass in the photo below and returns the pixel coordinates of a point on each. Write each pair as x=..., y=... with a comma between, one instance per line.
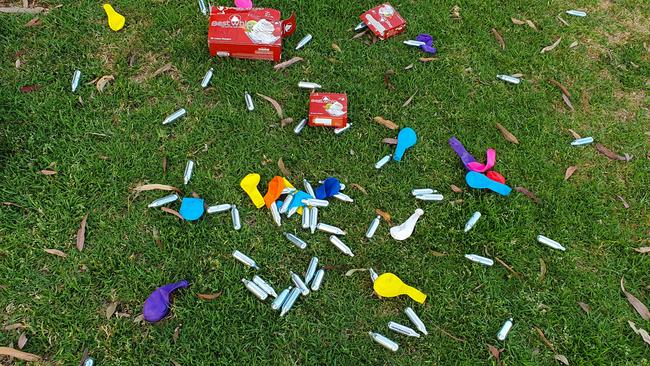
x=62, y=301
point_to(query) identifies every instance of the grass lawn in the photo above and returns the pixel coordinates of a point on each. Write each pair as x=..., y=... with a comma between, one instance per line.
x=114, y=141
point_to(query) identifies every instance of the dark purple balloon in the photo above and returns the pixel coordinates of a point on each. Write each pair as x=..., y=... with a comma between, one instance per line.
x=458, y=147
x=428, y=40
x=156, y=306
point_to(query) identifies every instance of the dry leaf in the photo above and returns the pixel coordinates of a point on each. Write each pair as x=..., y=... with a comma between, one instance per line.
x=528, y=194
x=544, y=339
x=19, y=10
x=29, y=88
x=81, y=233
x=642, y=250
x=625, y=204
x=586, y=308
x=384, y=215
x=569, y=172
x=387, y=81
x=552, y=46
x=506, y=134
x=562, y=21
x=209, y=297
x=358, y=187
x=56, y=252
x=455, y=12
x=103, y=81
x=567, y=101
x=386, y=123
x=354, y=270
x=438, y=254
x=562, y=87
x=84, y=357
x=389, y=141
x=456, y=189
x=574, y=134
x=284, y=65
x=7, y=351
x=517, y=21
x=336, y=47
x=531, y=24
x=173, y=212
x=151, y=187
x=409, y=100
x=360, y=34
x=636, y=303
x=274, y=103
x=139, y=319
x=506, y=266
x=177, y=332
x=574, y=44
x=542, y=269
x=562, y=359
x=283, y=168
x=495, y=352
x=14, y=326
x=164, y=165
x=642, y=332
x=427, y=59
x=609, y=153
x=18, y=63
x=47, y=172
x=286, y=121
x=499, y=38
x=162, y=69
x=110, y=309
x=409, y=66
x=175, y=363
x=34, y=22
x=132, y=59
x=22, y=341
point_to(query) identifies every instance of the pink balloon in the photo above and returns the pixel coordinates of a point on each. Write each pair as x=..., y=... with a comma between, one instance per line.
x=478, y=167
x=244, y=4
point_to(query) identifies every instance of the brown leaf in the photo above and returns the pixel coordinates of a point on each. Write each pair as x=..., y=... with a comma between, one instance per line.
x=81, y=233
x=151, y=187
x=574, y=134
x=574, y=44
x=359, y=188
x=84, y=357
x=25, y=3
x=625, y=204
x=567, y=101
x=274, y=103
x=427, y=59
x=103, y=82
x=164, y=68
x=387, y=81
x=283, y=168
x=133, y=57
x=22, y=341
x=139, y=319
x=7, y=351
x=438, y=254
x=354, y=270
x=506, y=134
x=495, y=352
x=609, y=153
x=284, y=65
x=29, y=88
x=173, y=212
x=18, y=63
x=47, y=172
x=528, y=194
x=386, y=123
x=409, y=100
x=544, y=339
x=286, y=121
x=531, y=24
x=34, y=22
x=499, y=38
x=195, y=195
x=455, y=12
x=209, y=297
x=542, y=269
x=586, y=308
x=56, y=252
x=642, y=332
x=552, y=46
x=562, y=20
x=642, y=250
x=562, y=359
x=177, y=332
x=636, y=303
x=517, y=21
x=19, y=10
x=384, y=215
x=389, y=141
x=110, y=309
x=456, y=189
x=336, y=47
x=14, y=326
x=506, y=266
x=164, y=165
x=175, y=363
x=360, y=34
x=569, y=172
x=563, y=88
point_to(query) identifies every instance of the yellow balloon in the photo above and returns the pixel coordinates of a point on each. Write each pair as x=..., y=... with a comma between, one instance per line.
x=389, y=285
x=115, y=20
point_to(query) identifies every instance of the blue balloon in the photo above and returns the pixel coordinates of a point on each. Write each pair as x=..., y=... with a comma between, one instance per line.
x=192, y=208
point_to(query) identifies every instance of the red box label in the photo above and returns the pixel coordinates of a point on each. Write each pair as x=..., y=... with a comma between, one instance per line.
x=384, y=21
x=248, y=33
x=328, y=110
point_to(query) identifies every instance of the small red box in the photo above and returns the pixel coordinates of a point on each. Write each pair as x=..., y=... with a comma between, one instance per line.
x=248, y=33
x=328, y=110
x=384, y=21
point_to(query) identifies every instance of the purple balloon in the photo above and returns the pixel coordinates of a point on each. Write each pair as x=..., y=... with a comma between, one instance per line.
x=428, y=40
x=156, y=306
x=460, y=150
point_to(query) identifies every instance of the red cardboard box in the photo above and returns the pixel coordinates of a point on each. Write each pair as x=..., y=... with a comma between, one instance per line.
x=328, y=110
x=248, y=33
x=384, y=21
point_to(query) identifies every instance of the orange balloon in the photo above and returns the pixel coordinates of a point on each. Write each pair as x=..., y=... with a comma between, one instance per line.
x=276, y=185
